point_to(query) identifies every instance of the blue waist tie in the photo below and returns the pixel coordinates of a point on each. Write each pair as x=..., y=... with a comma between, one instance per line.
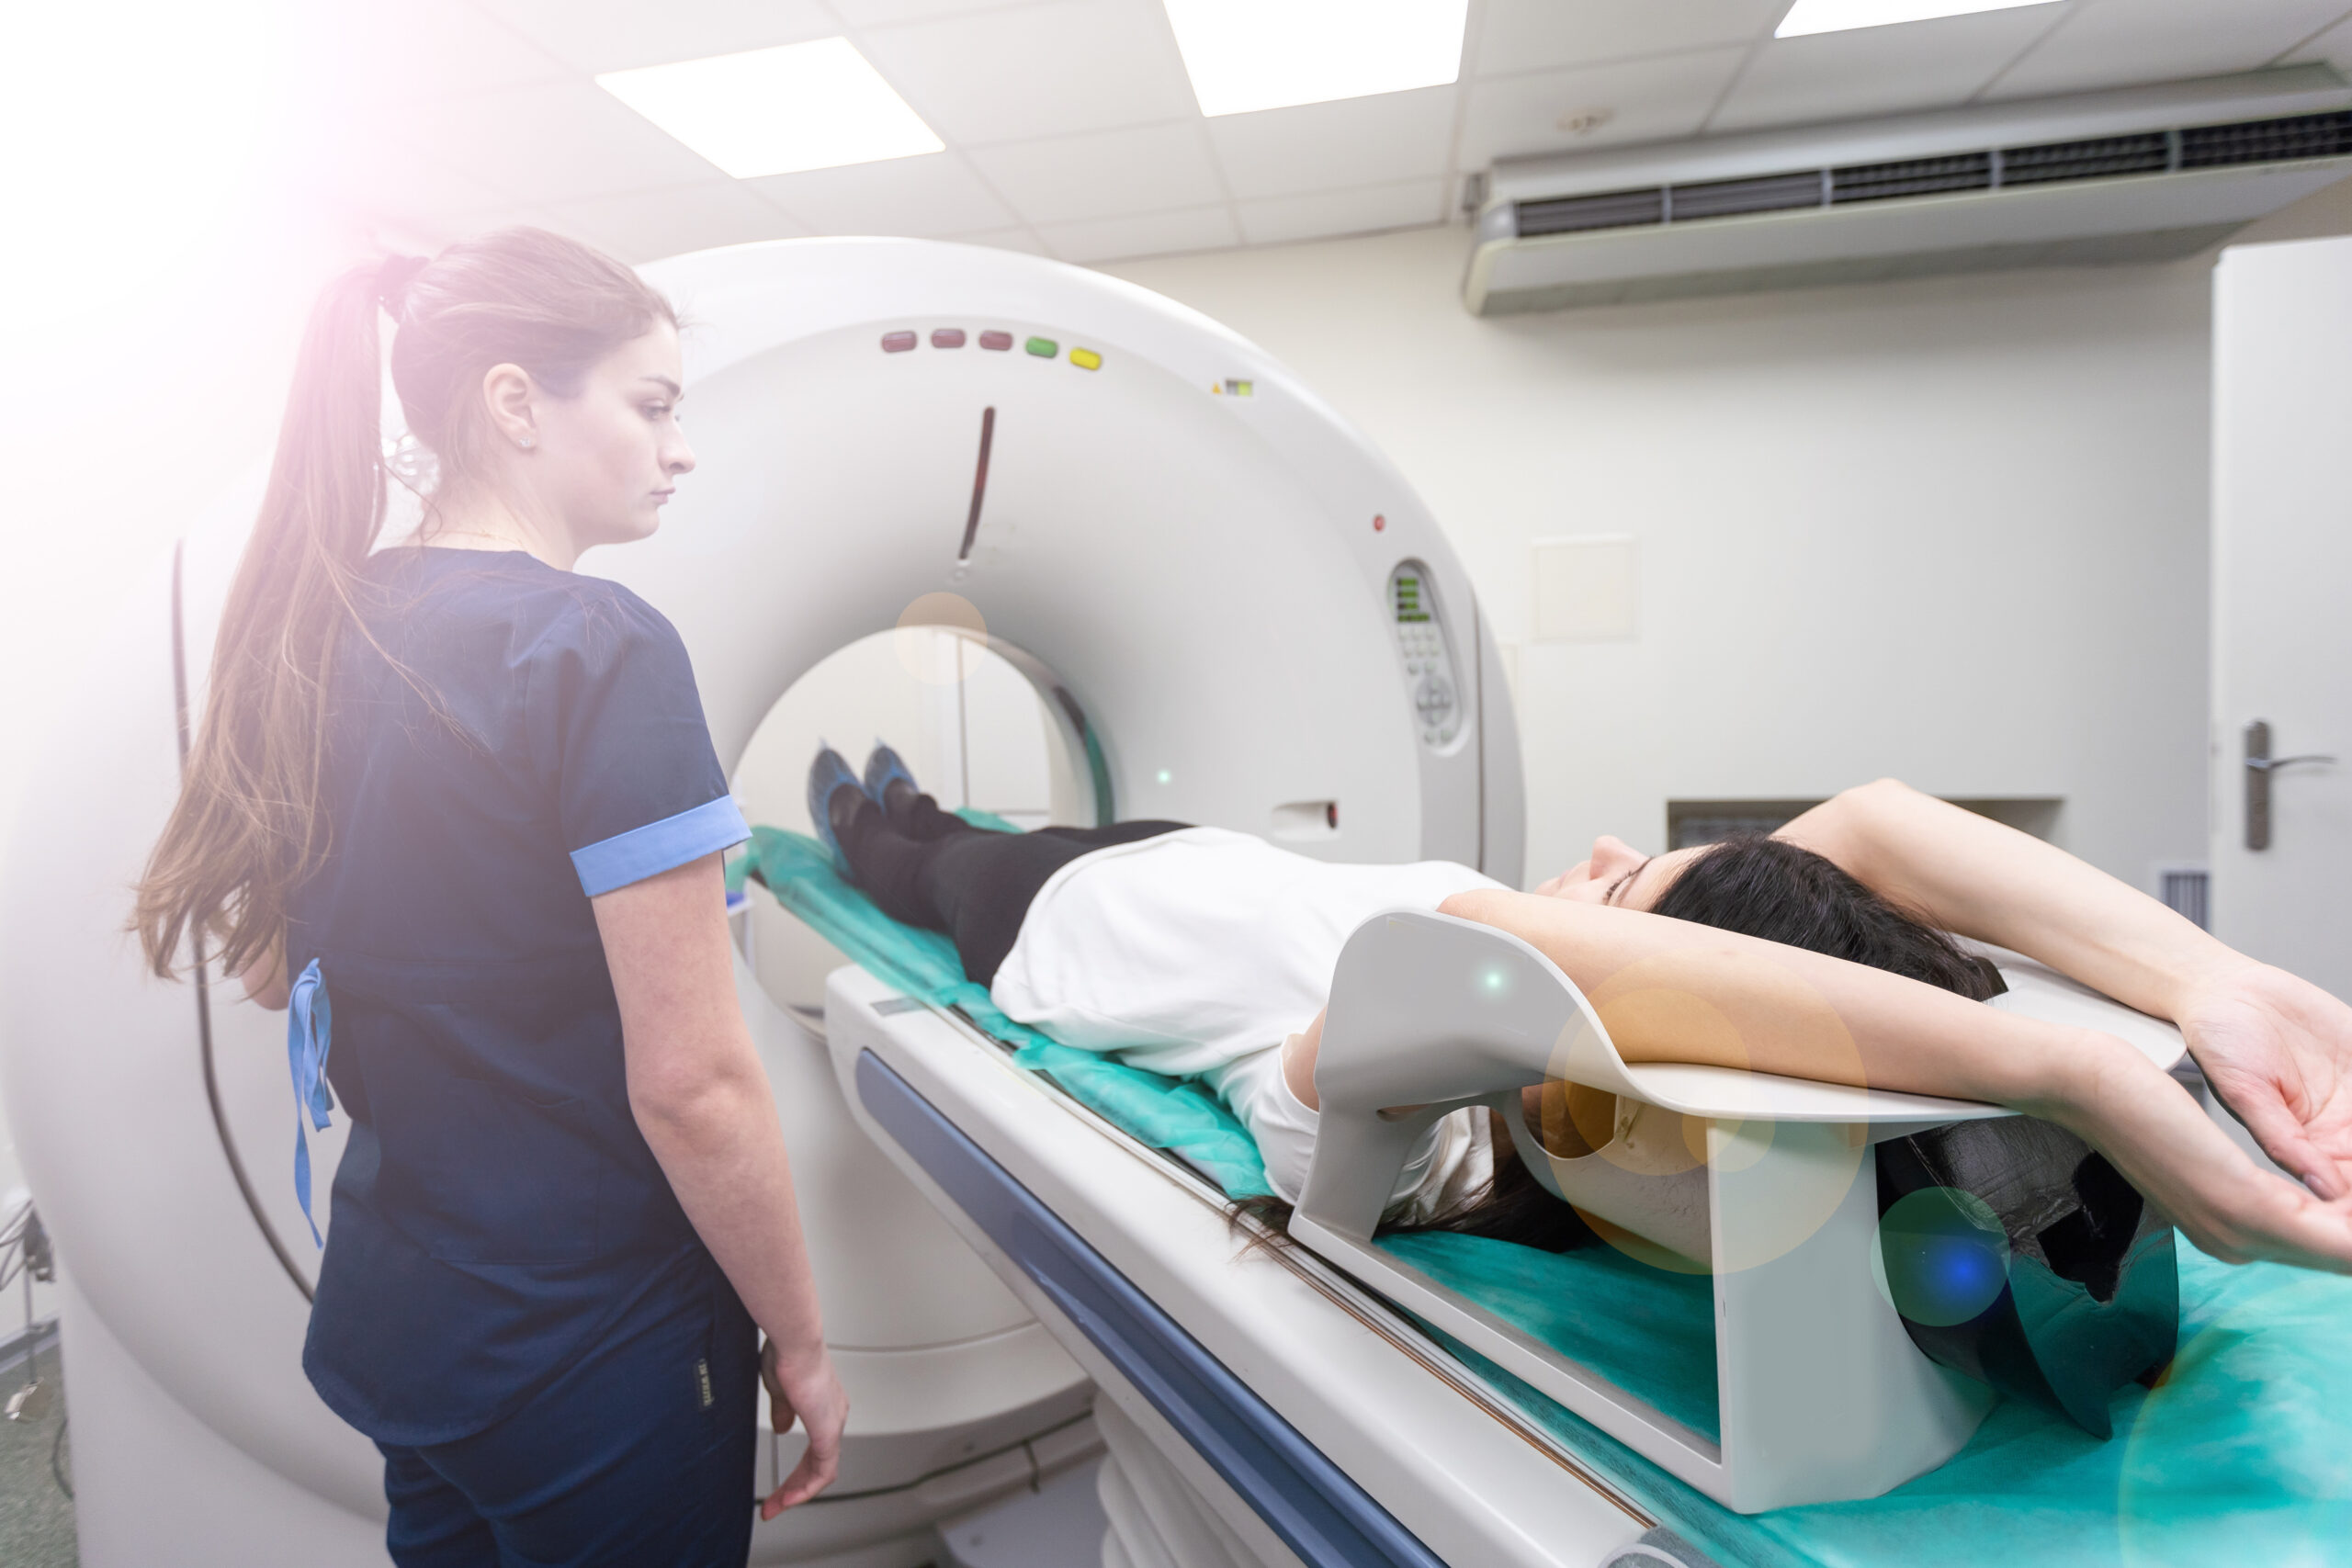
x=310, y=1028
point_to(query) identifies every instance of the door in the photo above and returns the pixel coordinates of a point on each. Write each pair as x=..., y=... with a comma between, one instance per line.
x=2282, y=606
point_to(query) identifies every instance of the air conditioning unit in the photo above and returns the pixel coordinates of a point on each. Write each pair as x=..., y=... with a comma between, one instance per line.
x=2144, y=174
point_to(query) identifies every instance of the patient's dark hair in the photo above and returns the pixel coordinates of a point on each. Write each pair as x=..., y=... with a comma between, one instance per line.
x=1759, y=886
x=1781, y=891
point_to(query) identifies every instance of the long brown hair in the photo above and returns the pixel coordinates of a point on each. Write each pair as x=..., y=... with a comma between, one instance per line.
x=250, y=823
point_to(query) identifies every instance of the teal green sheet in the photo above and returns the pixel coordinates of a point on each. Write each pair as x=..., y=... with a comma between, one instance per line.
x=1650, y=1332
x=2242, y=1455
x=1182, y=1115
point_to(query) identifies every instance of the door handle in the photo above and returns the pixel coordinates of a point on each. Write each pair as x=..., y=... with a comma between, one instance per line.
x=2259, y=765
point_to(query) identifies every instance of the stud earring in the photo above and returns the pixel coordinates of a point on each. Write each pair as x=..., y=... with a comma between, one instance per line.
x=523, y=441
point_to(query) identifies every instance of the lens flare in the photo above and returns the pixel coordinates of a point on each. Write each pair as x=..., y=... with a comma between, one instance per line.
x=939, y=660
x=1941, y=1256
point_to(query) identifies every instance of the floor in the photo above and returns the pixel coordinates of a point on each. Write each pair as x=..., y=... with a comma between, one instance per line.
x=1061, y=1525
x=36, y=1454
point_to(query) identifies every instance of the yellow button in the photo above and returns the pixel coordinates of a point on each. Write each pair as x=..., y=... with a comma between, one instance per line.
x=1086, y=359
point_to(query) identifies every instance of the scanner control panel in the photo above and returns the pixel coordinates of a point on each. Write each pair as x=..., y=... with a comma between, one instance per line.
x=1421, y=643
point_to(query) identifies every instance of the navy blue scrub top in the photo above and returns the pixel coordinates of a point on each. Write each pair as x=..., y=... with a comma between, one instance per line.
x=496, y=1212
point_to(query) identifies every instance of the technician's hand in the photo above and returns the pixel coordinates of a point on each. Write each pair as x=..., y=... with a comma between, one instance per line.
x=810, y=1394
x=2278, y=1052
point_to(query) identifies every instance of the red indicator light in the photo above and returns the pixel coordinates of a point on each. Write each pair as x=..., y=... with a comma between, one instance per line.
x=947, y=337
x=897, y=343
x=1379, y=524
x=996, y=340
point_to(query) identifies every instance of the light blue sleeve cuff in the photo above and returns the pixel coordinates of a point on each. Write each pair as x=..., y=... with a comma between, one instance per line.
x=660, y=846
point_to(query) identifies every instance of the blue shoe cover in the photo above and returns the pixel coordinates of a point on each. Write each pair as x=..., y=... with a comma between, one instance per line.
x=883, y=766
x=828, y=773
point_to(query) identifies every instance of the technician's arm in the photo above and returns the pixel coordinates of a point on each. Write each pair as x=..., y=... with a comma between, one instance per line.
x=2276, y=1049
x=1669, y=990
x=701, y=1099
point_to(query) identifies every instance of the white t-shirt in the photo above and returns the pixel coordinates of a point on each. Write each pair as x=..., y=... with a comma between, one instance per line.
x=1189, y=952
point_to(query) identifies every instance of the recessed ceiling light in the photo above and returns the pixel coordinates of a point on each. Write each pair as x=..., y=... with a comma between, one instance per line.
x=1839, y=15
x=1269, y=54
x=777, y=111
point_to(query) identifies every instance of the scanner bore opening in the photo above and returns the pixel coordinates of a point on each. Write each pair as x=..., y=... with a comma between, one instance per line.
x=982, y=724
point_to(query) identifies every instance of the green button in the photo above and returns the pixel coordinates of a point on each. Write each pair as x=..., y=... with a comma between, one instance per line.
x=1044, y=347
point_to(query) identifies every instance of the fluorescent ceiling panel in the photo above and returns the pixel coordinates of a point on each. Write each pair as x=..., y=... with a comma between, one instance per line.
x=1269, y=54
x=777, y=111
x=1840, y=16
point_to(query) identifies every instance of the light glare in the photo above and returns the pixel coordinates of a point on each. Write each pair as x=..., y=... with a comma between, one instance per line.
x=777, y=111
x=1842, y=16
x=1266, y=54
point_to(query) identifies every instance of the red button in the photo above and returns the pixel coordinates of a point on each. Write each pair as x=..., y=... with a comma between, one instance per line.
x=947, y=337
x=998, y=341
x=897, y=343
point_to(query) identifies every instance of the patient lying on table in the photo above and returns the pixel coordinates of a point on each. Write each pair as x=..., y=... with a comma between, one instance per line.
x=1201, y=950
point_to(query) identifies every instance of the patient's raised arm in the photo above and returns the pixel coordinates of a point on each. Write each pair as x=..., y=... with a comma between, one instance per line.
x=2276, y=1049
x=1671, y=990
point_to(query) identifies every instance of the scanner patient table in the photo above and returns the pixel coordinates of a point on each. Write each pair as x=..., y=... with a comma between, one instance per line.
x=2241, y=1454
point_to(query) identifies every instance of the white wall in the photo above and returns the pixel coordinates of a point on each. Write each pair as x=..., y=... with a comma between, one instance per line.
x=1838, y=493
x=120, y=416
x=1951, y=530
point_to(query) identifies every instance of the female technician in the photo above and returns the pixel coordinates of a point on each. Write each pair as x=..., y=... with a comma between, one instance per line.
x=465, y=796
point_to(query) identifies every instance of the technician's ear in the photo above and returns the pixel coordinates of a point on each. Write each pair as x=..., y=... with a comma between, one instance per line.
x=510, y=395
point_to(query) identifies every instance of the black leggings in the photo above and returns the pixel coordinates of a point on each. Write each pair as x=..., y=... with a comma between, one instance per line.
x=931, y=868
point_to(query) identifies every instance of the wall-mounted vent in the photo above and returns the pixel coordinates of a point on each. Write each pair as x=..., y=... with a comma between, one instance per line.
x=2185, y=890
x=1978, y=187
x=2101, y=158
x=1609, y=209
x=2105, y=158
x=1911, y=176
x=2267, y=140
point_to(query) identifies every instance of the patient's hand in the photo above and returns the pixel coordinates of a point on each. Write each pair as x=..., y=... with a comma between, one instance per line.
x=2166, y=1145
x=2278, y=1052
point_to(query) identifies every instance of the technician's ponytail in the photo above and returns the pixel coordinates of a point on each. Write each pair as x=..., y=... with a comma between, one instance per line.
x=250, y=823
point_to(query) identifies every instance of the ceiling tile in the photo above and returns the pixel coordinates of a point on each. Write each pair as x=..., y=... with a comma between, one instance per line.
x=402, y=50
x=558, y=141
x=2109, y=43
x=1407, y=204
x=927, y=197
x=615, y=35
x=1869, y=71
x=379, y=180
x=648, y=225
x=1037, y=70
x=1105, y=174
x=1148, y=234
x=2334, y=45
x=1541, y=35
x=882, y=13
x=1006, y=240
x=1644, y=100
x=1356, y=141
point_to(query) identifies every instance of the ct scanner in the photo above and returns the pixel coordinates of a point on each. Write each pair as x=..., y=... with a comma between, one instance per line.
x=1240, y=616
